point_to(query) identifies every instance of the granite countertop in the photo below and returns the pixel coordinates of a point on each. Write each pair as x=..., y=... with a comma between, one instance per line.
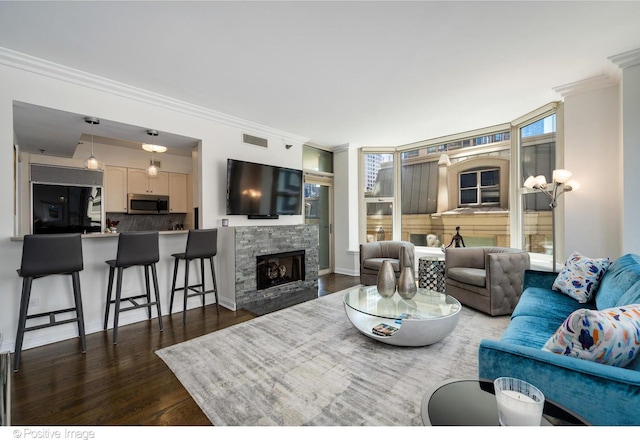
x=110, y=234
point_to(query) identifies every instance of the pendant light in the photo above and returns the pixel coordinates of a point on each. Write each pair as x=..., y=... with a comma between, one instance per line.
x=153, y=168
x=92, y=163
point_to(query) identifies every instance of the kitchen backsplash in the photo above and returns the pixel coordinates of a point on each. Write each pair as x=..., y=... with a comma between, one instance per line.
x=142, y=222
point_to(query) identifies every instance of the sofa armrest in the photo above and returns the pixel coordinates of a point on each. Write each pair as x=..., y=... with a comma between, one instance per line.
x=602, y=394
x=539, y=278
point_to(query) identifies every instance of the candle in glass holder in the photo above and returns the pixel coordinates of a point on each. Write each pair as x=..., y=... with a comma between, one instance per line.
x=519, y=402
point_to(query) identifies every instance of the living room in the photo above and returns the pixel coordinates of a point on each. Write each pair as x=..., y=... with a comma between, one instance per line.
x=600, y=111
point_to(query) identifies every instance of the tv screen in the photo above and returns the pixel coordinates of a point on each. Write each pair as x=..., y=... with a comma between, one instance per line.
x=258, y=190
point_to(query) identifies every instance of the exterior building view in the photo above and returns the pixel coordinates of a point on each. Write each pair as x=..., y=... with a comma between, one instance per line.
x=464, y=183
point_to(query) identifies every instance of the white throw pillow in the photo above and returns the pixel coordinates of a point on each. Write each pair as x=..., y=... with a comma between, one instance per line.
x=581, y=276
x=609, y=336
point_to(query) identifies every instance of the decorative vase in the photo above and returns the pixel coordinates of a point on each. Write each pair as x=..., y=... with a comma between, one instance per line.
x=407, y=288
x=386, y=280
x=407, y=284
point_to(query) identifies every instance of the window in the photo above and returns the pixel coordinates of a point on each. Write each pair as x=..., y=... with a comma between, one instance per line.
x=538, y=157
x=480, y=187
x=454, y=172
x=538, y=152
x=316, y=159
x=378, y=188
x=378, y=175
x=419, y=188
x=475, y=178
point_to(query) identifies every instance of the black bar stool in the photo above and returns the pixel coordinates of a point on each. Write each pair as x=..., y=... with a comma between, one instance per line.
x=43, y=255
x=201, y=244
x=134, y=249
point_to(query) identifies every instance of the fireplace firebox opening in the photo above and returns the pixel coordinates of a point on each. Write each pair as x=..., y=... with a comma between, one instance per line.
x=276, y=269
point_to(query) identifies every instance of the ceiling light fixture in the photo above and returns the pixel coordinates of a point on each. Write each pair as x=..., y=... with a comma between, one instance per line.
x=153, y=169
x=154, y=148
x=92, y=163
x=151, y=148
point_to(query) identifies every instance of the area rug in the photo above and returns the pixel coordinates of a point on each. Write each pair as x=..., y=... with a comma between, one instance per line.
x=307, y=365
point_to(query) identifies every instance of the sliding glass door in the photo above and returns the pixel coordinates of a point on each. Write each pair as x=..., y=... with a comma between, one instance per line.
x=318, y=211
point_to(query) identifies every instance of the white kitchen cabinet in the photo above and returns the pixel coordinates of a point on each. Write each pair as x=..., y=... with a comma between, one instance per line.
x=139, y=182
x=115, y=190
x=178, y=193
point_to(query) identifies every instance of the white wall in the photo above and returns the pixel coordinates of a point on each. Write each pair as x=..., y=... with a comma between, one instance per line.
x=346, y=206
x=592, y=152
x=134, y=107
x=630, y=96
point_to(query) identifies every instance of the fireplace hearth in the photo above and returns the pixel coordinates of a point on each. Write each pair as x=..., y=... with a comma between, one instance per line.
x=281, y=268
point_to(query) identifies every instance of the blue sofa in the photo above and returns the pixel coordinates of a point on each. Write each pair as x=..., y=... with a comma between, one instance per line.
x=602, y=394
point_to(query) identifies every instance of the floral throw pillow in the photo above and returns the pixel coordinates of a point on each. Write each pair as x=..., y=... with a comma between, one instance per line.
x=609, y=336
x=580, y=276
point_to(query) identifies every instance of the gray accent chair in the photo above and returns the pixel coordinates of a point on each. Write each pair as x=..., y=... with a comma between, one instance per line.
x=488, y=279
x=374, y=253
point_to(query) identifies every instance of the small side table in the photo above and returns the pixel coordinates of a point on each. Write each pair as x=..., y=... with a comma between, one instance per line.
x=472, y=402
x=431, y=273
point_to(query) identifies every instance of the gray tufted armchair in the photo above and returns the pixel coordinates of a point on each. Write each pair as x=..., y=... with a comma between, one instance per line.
x=488, y=279
x=373, y=254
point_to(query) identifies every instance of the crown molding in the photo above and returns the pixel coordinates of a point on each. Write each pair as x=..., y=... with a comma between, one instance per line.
x=341, y=148
x=626, y=59
x=49, y=69
x=586, y=85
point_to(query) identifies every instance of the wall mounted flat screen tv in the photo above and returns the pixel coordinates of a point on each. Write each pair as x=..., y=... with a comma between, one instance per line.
x=262, y=191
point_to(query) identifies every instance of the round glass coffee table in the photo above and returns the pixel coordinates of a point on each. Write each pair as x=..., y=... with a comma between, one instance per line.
x=472, y=402
x=425, y=319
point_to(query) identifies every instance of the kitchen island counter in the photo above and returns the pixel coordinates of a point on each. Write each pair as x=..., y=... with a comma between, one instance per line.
x=53, y=293
x=112, y=234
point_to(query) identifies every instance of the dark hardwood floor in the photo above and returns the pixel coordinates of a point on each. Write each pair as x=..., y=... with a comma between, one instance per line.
x=123, y=384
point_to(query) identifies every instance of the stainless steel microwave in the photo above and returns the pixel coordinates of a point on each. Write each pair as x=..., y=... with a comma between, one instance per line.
x=147, y=204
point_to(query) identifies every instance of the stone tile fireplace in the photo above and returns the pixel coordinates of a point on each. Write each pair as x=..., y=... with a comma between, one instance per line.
x=287, y=256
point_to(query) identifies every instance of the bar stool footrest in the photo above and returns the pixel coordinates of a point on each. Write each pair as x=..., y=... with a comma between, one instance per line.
x=52, y=319
x=199, y=292
x=51, y=324
x=135, y=304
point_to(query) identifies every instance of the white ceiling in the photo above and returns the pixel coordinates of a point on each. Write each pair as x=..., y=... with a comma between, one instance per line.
x=51, y=132
x=367, y=73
